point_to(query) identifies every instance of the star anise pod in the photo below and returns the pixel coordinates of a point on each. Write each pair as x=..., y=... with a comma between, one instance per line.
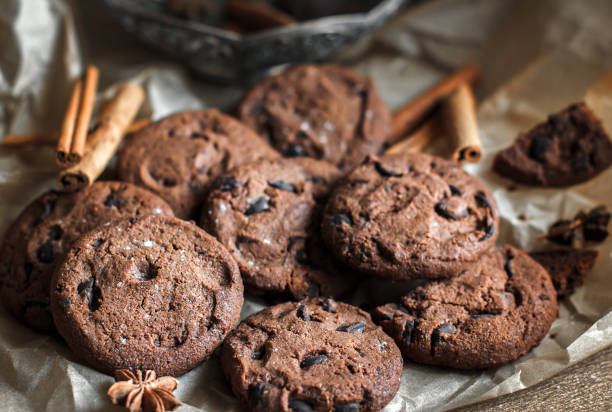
x=150, y=394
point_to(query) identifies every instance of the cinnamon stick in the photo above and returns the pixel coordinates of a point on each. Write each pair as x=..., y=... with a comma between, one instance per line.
x=84, y=117
x=65, y=139
x=418, y=140
x=458, y=112
x=14, y=140
x=102, y=144
x=407, y=117
x=256, y=15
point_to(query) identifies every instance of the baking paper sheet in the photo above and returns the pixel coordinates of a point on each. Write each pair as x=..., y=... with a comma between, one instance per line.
x=537, y=57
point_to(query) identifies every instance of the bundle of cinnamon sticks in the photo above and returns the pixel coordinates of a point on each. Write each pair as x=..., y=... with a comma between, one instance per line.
x=83, y=150
x=447, y=110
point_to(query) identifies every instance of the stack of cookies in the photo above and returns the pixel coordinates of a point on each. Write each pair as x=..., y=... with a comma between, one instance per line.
x=296, y=202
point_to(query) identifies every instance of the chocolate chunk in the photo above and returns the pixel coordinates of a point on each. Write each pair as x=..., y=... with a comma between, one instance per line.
x=489, y=231
x=301, y=313
x=229, y=183
x=386, y=172
x=445, y=328
x=45, y=253
x=297, y=405
x=256, y=393
x=112, y=201
x=313, y=359
x=408, y=336
x=328, y=304
x=339, y=219
x=442, y=209
x=259, y=353
x=260, y=205
x=482, y=201
x=356, y=327
x=539, y=146
x=282, y=185
x=454, y=190
x=294, y=150
x=56, y=232
x=347, y=407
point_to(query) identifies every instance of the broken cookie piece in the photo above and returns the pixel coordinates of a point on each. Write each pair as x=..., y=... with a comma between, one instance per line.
x=571, y=147
x=567, y=268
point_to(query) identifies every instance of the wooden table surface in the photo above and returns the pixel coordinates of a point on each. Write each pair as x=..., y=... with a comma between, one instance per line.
x=586, y=386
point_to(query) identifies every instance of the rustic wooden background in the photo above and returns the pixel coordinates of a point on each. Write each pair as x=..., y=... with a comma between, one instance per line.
x=586, y=386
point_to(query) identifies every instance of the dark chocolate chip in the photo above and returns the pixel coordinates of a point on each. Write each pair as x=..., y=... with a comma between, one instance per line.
x=328, y=304
x=407, y=336
x=445, y=328
x=479, y=314
x=260, y=205
x=45, y=253
x=301, y=313
x=93, y=293
x=112, y=201
x=420, y=234
x=282, y=185
x=294, y=150
x=482, y=201
x=347, y=407
x=302, y=257
x=386, y=172
x=489, y=231
x=441, y=208
x=385, y=316
x=56, y=232
x=97, y=242
x=297, y=405
x=313, y=359
x=454, y=190
x=256, y=392
x=228, y=183
x=258, y=354
x=539, y=146
x=339, y=219
x=301, y=135
x=356, y=327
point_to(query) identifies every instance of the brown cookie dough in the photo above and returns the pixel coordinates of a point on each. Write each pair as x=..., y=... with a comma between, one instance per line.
x=179, y=156
x=156, y=294
x=571, y=147
x=410, y=216
x=322, y=111
x=492, y=313
x=314, y=355
x=268, y=215
x=566, y=267
x=46, y=229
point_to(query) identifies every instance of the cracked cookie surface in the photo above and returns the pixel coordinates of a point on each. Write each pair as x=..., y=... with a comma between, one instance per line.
x=156, y=293
x=323, y=111
x=313, y=355
x=571, y=147
x=410, y=216
x=268, y=215
x=46, y=229
x=490, y=314
x=179, y=156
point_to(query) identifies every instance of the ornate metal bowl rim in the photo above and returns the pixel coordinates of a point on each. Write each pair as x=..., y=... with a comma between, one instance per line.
x=385, y=7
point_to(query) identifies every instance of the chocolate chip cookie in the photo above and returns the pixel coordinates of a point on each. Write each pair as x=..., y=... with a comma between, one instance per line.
x=322, y=111
x=179, y=156
x=410, y=216
x=492, y=313
x=313, y=355
x=46, y=229
x=268, y=215
x=567, y=267
x=155, y=293
x=571, y=147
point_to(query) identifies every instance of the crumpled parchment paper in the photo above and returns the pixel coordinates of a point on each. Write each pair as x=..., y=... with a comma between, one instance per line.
x=537, y=57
